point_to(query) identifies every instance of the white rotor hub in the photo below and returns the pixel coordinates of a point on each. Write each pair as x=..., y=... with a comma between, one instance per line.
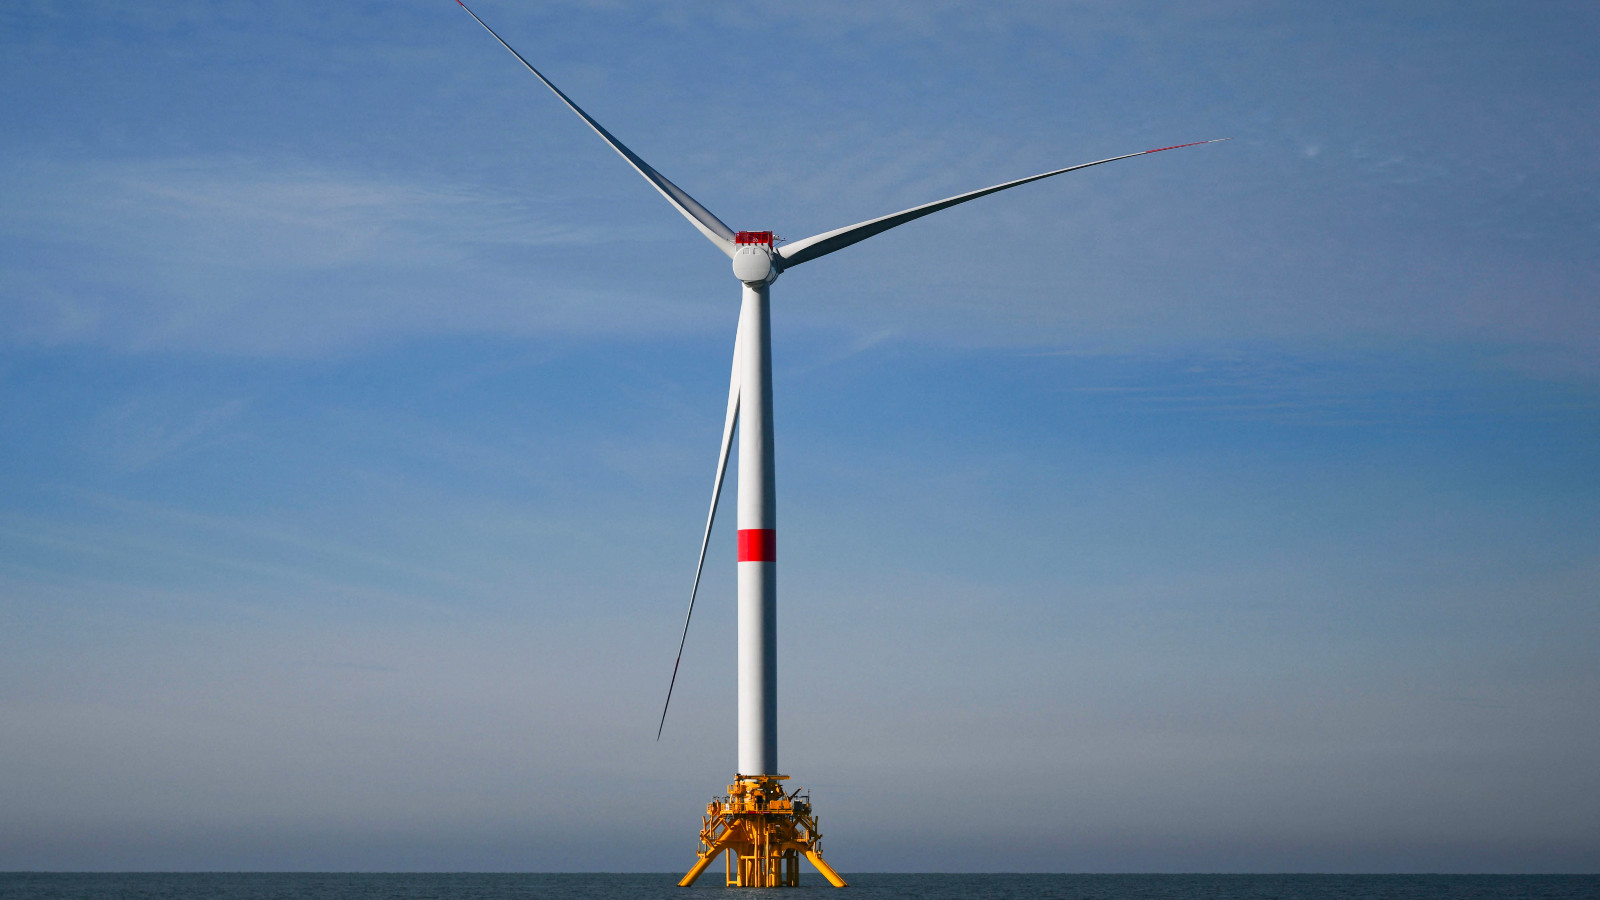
x=753, y=265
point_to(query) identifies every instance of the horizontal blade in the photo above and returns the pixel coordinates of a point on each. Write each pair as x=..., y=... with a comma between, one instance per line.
x=716, y=492
x=840, y=238
x=698, y=216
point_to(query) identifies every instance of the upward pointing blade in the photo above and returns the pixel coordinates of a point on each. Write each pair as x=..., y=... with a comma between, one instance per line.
x=698, y=216
x=716, y=492
x=822, y=244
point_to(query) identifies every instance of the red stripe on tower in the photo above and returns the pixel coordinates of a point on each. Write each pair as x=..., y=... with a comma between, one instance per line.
x=758, y=545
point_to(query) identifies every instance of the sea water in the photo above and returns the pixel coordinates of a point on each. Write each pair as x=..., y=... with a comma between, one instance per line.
x=312, y=886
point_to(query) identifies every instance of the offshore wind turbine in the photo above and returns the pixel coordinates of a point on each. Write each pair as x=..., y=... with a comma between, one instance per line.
x=758, y=823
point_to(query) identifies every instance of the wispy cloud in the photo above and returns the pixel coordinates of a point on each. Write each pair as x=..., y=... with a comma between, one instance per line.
x=240, y=256
x=137, y=434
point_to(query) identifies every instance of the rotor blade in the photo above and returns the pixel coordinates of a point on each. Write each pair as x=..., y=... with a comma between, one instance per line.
x=839, y=238
x=698, y=216
x=716, y=492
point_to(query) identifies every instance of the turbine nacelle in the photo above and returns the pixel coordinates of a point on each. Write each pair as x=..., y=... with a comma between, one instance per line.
x=754, y=261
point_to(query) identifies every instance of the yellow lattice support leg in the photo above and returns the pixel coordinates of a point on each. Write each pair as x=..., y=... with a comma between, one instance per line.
x=699, y=867
x=826, y=870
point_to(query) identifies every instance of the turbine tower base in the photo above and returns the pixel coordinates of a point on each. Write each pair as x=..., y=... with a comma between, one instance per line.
x=764, y=831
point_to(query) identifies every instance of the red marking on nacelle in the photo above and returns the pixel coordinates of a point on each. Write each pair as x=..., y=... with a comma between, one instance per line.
x=753, y=237
x=758, y=545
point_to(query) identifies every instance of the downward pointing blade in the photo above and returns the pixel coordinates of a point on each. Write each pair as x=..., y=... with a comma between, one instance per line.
x=698, y=216
x=822, y=244
x=716, y=492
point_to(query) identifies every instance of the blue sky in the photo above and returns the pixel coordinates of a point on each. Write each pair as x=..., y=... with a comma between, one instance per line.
x=1231, y=509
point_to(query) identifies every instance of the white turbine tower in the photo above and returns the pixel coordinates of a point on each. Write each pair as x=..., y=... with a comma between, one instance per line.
x=760, y=824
